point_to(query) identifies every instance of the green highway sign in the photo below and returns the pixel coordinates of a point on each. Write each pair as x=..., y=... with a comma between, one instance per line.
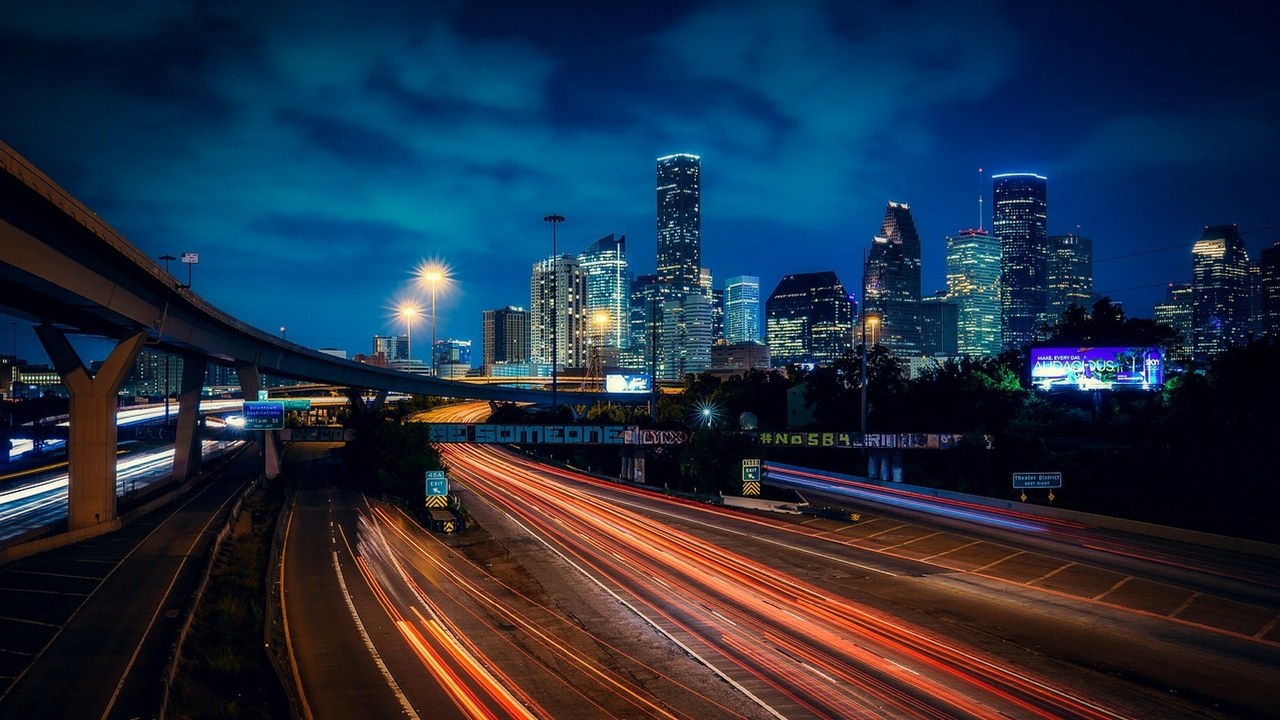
x=1037, y=480
x=296, y=403
x=437, y=483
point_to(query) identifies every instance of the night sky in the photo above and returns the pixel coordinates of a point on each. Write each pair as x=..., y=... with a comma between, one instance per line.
x=315, y=154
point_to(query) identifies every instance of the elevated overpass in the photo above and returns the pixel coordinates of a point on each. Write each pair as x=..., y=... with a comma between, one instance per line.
x=69, y=273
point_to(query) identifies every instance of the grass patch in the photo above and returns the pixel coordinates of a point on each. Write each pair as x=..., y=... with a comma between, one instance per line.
x=224, y=672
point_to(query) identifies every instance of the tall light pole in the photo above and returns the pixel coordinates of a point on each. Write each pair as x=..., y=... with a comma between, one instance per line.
x=555, y=349
x=433, y=275
x=408, y=312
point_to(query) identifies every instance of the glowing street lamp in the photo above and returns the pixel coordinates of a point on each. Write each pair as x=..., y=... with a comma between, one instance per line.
x=433, y=275
x=408, y=312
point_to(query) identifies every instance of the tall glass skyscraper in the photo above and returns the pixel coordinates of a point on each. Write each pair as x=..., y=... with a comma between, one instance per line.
x=679, y=222
x=742, y=309
x=809, y=318
x=1069, y=273
x=686, y=336
x=891, y=283
x=1178, y=312
x=973, y=282
x=1020, y=223
x=608, y=289
x=1220, y=291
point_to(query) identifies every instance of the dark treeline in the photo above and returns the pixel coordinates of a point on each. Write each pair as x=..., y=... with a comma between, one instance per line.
x=1196, y=453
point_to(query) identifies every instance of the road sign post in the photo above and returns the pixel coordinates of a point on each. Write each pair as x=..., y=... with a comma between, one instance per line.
x=1025, y=481
x=263, y=416
x=437, y=489
x=750, y=477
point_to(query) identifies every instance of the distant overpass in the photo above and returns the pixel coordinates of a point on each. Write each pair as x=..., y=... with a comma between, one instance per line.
x=68, y=272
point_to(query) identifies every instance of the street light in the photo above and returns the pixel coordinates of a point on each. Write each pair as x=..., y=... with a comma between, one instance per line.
x=601, y=321
x=408, y=312
x=433, y=274
x=555, y=350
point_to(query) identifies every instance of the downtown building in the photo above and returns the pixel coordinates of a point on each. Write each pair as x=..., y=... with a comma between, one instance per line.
x=809, y=319
x=1220, y=291
x=558, y=329
x=742, y=309
x=1068, y=274
x=891, y=285
x=505, y=336
x=973, y=284
x=683, y=345
x=608, y=290
x=686, y=336
x=1267, y=323
x=1178, y=312
x=1020, y=221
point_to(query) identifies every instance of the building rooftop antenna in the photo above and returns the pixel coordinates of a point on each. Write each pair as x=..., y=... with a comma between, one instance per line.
x=980, y=193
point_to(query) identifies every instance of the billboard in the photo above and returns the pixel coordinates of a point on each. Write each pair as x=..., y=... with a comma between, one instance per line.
x=627, y=383
x=1102, y=368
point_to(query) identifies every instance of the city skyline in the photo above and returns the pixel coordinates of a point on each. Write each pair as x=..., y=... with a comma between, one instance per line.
x=313, y=174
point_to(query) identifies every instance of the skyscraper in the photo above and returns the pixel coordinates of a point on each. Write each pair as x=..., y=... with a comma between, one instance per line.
x=1069, y=273
x=1269, y=292
x=939, y=326
x=973, y=282
x=608, y=288
x=686, y=336
x=1178, y=312
x=568, y=311
x=393, y=347
x=742, y=309
x=1220, y=291
x=679, y=222
x=809, y=318
x=1020, y=223
x=891, y=283
x=647, y=293
x=506, y=336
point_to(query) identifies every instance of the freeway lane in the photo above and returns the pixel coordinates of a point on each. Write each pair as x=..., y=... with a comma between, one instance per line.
x=1143, y=664
x=385, y=620
x=86, y=629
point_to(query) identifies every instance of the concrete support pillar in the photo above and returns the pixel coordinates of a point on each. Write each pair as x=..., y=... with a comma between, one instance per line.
x=91, y=440
x=186, y=444
x=250, y=383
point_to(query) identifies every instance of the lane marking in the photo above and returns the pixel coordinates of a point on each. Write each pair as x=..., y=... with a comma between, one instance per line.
x=1050, y=574
x=922, y=537
x=1112, y=589
x=1186, y=604
x=947, y=552
x=368, y=642
x=1267, y=628
x=882, y=532
x=997, y=562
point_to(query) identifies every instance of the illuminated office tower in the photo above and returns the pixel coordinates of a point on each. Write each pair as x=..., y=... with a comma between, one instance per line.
x=686, y=336
x=1069, y=273
x=809, y=319
x=648, y=293
x=1019, y=221
x=1220, y=291
x=742, y=309
x=891, y=283
x=1178, y=312
x=1268, y=323
x=679, y=223
x=608, y=289
x=973, y=282
x=938, y=326
x=567, y=309
x=506, y=336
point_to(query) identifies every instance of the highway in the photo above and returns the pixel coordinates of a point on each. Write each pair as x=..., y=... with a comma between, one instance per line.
x=86, y=629
x=812, y=622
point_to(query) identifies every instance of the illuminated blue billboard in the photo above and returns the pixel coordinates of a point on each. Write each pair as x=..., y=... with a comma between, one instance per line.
x=1103, y=368
x=627, y=383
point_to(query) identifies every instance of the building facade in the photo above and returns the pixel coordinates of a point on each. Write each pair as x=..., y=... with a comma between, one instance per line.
x=1178, y=312
x=1268, y=293
x=1220, y=291
x=679, y=222
x=1019, y=220
x=686, y=336
x=608, y=289
x=809, y=319
x=506, y=336
x=939, y=337
x=891, y=283
x=392, y=347
x=973, y=283
x=558, y=313
x=742, y=309
x=1069, y=273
